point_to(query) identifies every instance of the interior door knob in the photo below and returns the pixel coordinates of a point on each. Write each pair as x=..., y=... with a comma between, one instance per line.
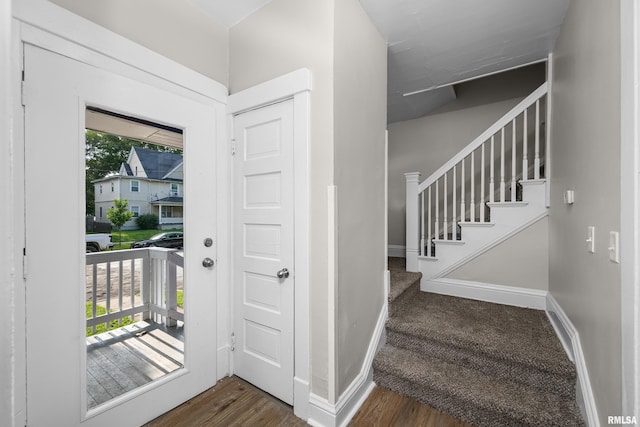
x=207, y=262
x=283, y=274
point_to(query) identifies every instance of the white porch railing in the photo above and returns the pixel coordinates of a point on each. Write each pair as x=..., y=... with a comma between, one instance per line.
x=132, y=282
x=486, y=170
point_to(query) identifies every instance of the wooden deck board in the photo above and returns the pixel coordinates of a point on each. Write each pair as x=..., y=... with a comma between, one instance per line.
x=119, y=361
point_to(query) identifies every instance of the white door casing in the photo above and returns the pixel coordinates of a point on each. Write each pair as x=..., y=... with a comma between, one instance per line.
x=264, y=248
x=57, y=91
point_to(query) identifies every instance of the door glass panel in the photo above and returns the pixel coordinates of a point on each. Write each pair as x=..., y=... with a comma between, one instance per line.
x=134, y=254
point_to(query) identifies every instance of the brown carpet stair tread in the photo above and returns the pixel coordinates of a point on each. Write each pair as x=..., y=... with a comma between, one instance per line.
x=487, y=364
x=468, y=394
x=509, y=333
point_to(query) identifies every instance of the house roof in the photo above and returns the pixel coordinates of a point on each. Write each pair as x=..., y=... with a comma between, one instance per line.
x=157, y=164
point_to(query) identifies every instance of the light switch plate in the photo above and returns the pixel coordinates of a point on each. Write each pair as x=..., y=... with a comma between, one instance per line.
x=614, y=246
x=591, y=239
x=568, y=197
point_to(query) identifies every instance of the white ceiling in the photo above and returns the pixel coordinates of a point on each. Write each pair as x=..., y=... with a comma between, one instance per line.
x=439, y=42
x=436, y=43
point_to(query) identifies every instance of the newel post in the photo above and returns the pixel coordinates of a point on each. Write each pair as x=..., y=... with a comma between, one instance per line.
x=413, y=221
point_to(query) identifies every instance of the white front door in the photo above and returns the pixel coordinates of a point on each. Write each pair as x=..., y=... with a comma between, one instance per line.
x=58, y=91
x=264, y=253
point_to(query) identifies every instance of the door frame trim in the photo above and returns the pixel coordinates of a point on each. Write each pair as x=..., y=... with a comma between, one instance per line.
x=297, y=86
x=630, y=205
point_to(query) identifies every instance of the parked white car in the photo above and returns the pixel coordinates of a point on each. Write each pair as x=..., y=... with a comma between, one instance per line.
x=98, y=242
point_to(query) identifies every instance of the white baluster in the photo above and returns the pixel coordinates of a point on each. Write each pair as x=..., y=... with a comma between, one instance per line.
x=472, y=202
x=513, y=161
x=502, y=186
x=454, y=221
x=422, y=224
x=492, y=185
x=482, y=183
x=437, y=223
x=463, y=211
x=108, y=302
x=525, y=155
x=445, y=225
x=120, y=285
x=536, y=160
x=133, y=284
x=429, y=224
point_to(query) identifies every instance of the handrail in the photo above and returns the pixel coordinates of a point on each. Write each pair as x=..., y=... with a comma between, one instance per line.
x=499, y=124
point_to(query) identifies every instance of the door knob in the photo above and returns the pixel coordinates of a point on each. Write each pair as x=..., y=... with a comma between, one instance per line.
x=283, y=274
x=207, y=262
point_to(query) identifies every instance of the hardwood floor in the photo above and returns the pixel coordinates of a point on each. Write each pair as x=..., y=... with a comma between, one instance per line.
x=234, y=402
x=385, y=408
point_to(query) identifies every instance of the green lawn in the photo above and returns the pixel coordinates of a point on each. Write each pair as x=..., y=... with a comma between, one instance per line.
x=100, y=310
x=114, y=324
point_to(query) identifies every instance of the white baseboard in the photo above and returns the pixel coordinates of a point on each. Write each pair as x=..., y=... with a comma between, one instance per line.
x=571, y=340
x=499, y=294
x=301, y=397
x=398, y=251
x=324, y=414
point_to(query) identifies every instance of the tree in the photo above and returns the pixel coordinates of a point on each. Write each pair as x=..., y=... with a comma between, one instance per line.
x=104, y=155
x=119, y=214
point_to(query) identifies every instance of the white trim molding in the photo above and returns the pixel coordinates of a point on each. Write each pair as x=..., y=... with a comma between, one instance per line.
x=297, y=86
x=398, y=251
x=570, y=339
x=322, y=413
x=630, y=205
x=498, y=294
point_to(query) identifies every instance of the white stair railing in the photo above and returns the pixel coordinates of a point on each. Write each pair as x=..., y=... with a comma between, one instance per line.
x=457, y=192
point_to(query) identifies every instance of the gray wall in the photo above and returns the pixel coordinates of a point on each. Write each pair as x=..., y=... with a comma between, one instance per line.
x=425, y=144
x=347, y=58
x=586, y=158
x=360, y=111
x=174, y=28
x=281, y=37
x=521, y=261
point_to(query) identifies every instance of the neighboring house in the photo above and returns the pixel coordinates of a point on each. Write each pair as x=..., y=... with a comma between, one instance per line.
x=151, y=181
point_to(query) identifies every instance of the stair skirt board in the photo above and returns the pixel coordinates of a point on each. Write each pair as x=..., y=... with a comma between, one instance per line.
x=570, y=339
x=324, y=414
x=476, y=251
x=498, y=294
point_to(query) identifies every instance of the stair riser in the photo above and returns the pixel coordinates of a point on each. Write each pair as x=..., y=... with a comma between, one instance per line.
x=534, y=192
x=563, y=386
x=460, y=408
x=397, y=305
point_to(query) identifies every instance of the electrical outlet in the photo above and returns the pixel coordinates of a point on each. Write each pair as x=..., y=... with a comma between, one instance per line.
x=614, y=246
x=591, y=239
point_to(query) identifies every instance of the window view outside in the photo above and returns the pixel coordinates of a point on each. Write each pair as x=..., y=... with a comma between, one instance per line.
x=134, y=268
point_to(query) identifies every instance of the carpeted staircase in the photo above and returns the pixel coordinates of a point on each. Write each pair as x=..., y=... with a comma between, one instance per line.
x=487, y=364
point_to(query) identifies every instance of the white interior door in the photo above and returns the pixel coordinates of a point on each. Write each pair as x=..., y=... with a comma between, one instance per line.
x=57, y=92
x=263, y=254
